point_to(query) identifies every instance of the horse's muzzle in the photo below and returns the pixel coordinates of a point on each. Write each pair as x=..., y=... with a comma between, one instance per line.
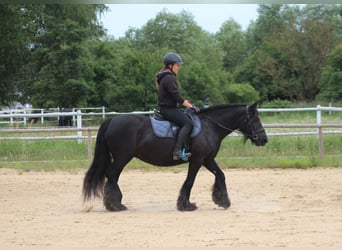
x=261, y=140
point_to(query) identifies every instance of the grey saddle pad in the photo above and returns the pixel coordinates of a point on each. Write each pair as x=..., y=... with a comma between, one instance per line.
x=164, y=128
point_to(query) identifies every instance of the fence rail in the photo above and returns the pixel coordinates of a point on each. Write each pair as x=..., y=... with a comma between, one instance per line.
x=22, y=115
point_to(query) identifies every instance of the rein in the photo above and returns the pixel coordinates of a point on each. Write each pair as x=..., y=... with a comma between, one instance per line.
x=247, y=120
x=224, y=127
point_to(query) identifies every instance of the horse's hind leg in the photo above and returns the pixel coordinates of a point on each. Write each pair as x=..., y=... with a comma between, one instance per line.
x=219, y=194
x=112, y=195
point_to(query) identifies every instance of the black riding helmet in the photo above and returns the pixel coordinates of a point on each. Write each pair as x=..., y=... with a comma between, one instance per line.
x=172, y=58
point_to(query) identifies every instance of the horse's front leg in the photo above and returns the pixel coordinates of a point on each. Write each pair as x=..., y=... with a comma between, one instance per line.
x=219, y=194
x=183, y=202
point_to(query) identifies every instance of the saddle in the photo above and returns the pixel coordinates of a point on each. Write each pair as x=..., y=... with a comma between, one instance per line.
x=164, y=128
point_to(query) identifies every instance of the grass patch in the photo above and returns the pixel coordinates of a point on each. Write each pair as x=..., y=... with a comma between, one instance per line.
x=280, y=152
x=42, y=150
x=46, y=165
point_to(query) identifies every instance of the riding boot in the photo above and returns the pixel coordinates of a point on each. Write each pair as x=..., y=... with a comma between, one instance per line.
x=177, y=152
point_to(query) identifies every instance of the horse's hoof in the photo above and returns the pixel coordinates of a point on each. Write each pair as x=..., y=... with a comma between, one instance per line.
x=221, y=199
x=224, y=204
x=188, y=207
x=123, y=207
x=115, y=208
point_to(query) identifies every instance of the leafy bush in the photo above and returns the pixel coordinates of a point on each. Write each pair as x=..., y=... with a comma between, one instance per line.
x=277, y=103
x=240, y=93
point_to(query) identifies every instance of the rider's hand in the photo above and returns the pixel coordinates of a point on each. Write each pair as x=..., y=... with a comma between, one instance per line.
x=195, y=108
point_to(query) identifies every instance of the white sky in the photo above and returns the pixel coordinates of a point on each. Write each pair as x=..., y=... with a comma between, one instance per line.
x=121, y=17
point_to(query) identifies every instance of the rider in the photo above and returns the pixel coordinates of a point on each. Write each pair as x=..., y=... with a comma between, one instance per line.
x=169, y=101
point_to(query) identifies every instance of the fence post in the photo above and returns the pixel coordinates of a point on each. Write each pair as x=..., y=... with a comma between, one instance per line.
x=25, y=118
x=103, y=112
x=11, y=118
x=42, y=117
x=320, y=131
x=73, y=118
x=79, y=126
x=330, y=105
x=319, y=115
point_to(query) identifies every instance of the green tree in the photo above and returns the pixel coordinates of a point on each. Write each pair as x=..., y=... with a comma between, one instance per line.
x=108, y=60
x=240, y=93
x=197, y=80
x=232, y=41
x=288, y=62
x=296, y=55
x=135, y=89
x=166, y=31
x=270, y=19
x=62, y=63
x=14, y=49
x=330, y=84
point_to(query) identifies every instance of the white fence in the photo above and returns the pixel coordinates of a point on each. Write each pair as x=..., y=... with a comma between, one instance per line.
x=78, y=117
x=318, y=110
x=21, y=116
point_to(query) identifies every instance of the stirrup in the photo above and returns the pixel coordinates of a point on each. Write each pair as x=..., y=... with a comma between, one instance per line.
x=185, y=155
x=181, y=155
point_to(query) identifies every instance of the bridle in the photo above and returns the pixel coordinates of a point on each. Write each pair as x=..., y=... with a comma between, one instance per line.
x=248, y=121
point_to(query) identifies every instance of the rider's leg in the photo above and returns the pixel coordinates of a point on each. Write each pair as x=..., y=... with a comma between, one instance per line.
x=182, y=135
x=184, y=122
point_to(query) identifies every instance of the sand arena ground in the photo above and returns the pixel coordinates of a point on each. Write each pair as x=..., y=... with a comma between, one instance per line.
x=270, y=207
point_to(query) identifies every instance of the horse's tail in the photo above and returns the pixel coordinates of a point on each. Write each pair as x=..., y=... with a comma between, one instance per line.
x=94, y=179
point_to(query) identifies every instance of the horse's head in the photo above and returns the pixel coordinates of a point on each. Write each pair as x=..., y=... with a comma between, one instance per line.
x=252, y=128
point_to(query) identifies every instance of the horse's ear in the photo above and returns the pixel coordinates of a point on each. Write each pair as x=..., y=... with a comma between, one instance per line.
x=254, y=106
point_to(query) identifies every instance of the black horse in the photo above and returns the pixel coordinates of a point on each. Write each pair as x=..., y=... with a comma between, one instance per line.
x=65, y=120
x=121, y=138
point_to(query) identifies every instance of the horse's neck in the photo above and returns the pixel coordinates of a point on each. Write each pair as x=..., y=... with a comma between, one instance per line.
x=228, y=118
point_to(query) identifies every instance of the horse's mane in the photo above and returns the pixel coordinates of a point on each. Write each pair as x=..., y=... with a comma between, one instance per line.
x=221, y=106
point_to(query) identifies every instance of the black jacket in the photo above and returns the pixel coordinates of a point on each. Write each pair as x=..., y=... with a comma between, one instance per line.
x=168, y=93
